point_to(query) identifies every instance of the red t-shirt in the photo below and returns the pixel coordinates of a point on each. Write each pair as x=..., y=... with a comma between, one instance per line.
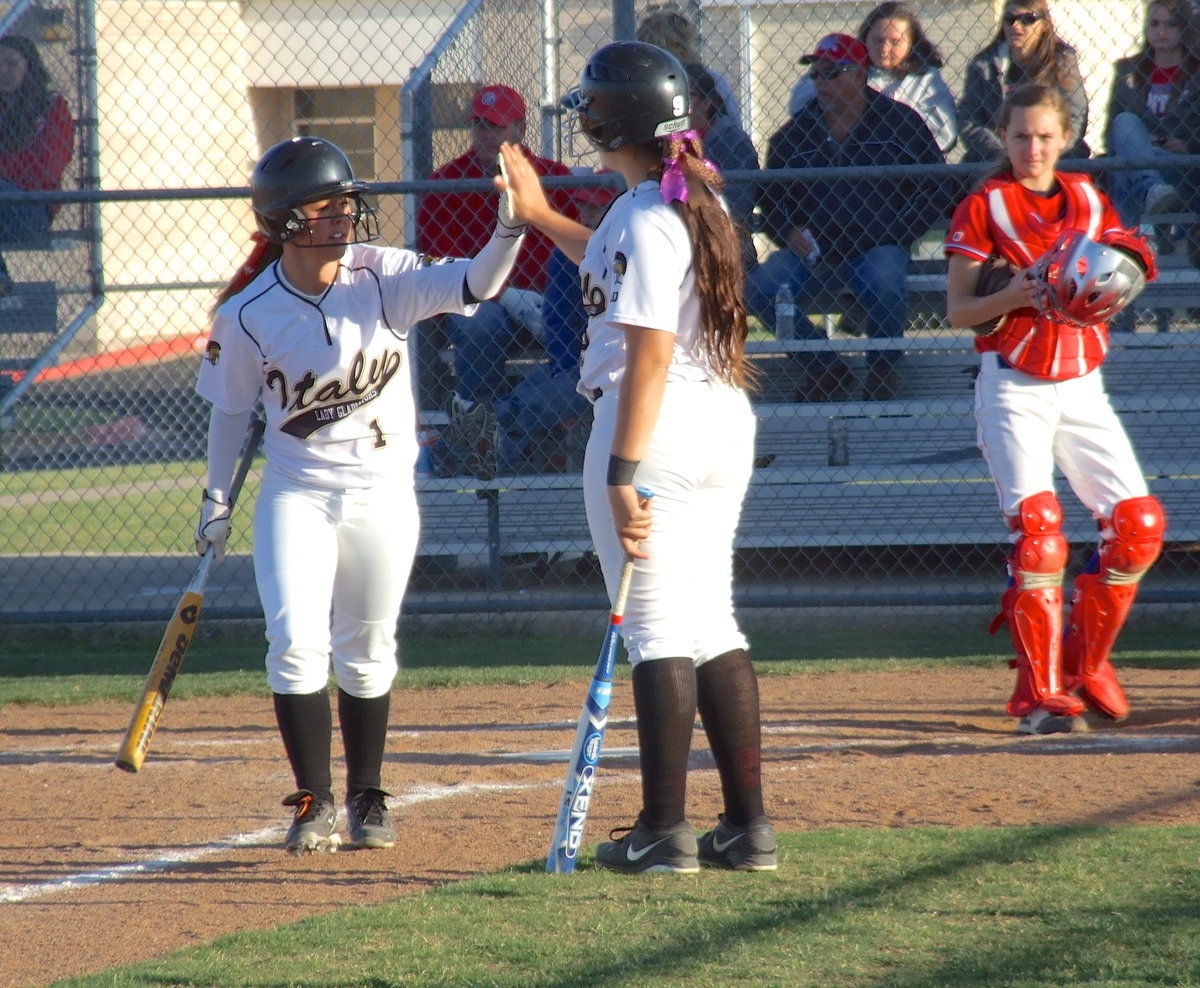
x=458, y=224
x=1161, y=86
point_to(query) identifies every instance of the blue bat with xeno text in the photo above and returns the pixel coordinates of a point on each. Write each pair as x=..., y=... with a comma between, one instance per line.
x=589, y=738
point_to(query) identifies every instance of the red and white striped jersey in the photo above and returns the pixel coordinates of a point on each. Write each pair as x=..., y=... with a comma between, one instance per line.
x=1004, y=218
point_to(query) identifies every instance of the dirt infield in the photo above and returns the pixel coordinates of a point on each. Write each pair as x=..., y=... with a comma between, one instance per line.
x=98, y=867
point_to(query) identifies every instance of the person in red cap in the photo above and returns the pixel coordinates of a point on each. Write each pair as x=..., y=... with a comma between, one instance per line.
x=905, y=65
x=457, y=224
x=852, y=233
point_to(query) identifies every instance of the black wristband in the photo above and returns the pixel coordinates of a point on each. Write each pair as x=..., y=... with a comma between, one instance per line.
x=621, y=471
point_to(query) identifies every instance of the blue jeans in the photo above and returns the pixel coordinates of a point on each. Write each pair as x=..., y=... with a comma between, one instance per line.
x=876, y=278
x=1128, y=137
x=481, y=345
x=21, y=222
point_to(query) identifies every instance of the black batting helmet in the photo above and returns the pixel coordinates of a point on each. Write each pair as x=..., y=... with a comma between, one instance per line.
x=299, y=171
x=631, y=92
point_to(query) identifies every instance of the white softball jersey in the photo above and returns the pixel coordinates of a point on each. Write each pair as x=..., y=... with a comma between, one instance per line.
x=332, y=369
x=637, y=270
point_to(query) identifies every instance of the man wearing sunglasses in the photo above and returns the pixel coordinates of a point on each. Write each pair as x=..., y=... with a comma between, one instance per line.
x=848, y=232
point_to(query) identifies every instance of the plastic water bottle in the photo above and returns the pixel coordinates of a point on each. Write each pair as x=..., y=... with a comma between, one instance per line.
x=785, y=313
x=839, y=441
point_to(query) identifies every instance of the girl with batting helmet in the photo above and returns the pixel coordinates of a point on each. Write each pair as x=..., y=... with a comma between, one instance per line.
x=664, y=362
x=1040, y=402
x=316, y=325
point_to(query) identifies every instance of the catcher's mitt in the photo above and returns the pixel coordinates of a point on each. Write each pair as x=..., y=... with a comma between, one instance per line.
x=994, y=274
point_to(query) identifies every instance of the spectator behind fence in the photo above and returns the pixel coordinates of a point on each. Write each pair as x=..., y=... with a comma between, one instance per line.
x=37, y=139
x=665, y=25
x=1153, y=112
x=1026, y=49
x=457, y=224
x=544, y=420
x=728, y=147
x=853, y=233
x=905, y=65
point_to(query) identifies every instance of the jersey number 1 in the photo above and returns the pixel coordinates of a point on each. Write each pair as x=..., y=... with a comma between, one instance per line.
x=380, y=442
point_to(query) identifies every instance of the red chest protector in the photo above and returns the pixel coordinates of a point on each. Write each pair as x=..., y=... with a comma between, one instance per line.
x=1027, y=340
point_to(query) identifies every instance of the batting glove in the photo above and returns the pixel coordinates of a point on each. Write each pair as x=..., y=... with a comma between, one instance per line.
x=213, y=528
x=507, y=224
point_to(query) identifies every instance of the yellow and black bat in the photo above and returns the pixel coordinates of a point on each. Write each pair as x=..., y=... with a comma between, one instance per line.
x=178, y=636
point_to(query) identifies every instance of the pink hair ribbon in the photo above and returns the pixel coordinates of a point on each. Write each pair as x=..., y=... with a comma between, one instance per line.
x=673, y=184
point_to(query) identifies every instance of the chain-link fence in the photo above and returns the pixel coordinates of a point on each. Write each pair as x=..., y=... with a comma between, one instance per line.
x=868, y=486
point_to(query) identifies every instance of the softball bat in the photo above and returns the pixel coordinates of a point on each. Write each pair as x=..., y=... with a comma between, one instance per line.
x=177, y=638
x=589, y=738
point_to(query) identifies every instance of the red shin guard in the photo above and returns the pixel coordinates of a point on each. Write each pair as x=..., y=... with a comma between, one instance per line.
x=1132, y=540
x=1098, y=611
x=1035, y=622
x=1032, y=606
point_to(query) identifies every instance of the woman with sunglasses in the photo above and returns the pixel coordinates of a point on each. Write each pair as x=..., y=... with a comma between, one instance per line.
x=1026, y=50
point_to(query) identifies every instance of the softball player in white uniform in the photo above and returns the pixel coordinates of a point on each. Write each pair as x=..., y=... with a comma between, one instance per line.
x=664, y=362
x=1040, y=402
x=316, y=326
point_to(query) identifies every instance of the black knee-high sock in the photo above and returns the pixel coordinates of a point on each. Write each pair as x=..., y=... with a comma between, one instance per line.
x=364, y=734
x=727, y=695
x=305, y=724
x=664, y=695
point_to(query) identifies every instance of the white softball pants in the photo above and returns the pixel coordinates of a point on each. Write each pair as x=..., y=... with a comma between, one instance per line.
x=349, y=551
x=1025, y=426
x=698, y=466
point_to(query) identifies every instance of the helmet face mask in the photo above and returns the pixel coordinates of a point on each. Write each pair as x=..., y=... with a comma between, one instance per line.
x=631, y=92
x=305, y=231
x=1082, y=282
x=300, y=171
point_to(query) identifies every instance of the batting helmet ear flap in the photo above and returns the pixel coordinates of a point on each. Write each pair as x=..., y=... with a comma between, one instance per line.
x=292, y=225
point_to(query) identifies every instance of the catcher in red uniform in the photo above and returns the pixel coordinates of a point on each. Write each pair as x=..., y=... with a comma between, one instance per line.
x=1038, y=263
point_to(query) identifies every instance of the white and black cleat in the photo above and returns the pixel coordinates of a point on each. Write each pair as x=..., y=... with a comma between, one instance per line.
x=314, y=825
x=1039, y=722
x=315, y=845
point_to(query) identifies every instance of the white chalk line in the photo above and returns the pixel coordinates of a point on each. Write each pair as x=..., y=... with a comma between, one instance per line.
x=427, y=793
x=22, y=893
x=267, y=835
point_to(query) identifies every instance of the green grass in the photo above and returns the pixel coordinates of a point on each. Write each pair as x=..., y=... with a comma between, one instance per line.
x=64, y=665
x=1012, y=908
x=139, y=508
x=1019, y=908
